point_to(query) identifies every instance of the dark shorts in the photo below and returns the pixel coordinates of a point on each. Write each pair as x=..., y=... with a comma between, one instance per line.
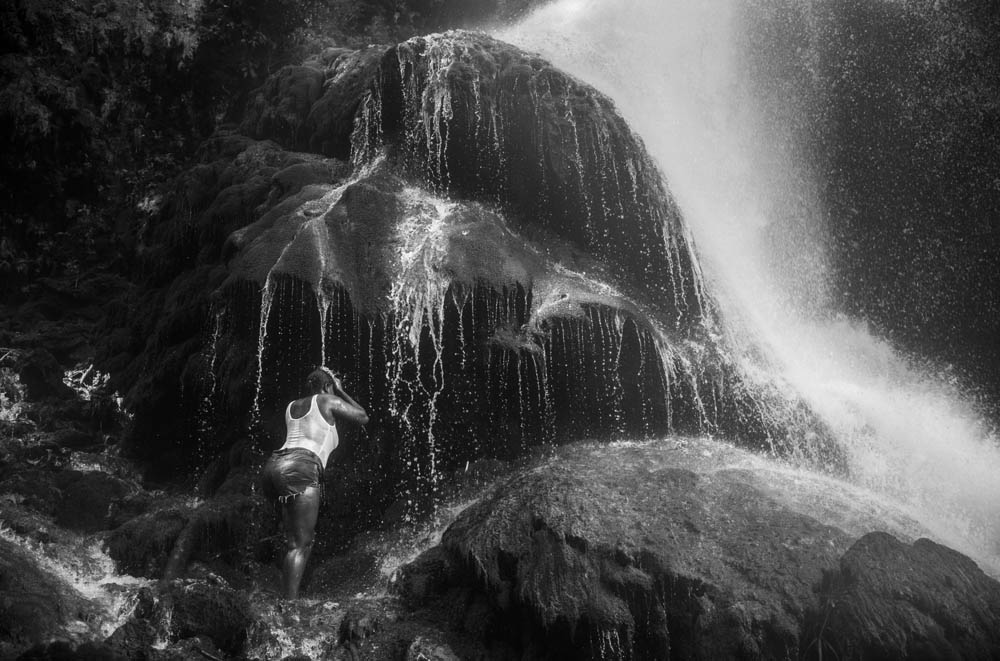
x=287, y=473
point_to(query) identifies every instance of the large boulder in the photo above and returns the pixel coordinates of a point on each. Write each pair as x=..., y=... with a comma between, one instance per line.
x=480, y=118
x=279, y=107
x=219, y=613
x=143, y=544
x=183, y=620
x=330, y=123
x=503, y=267
x=35, y=605
x=161, y=543
x=516, y=338
x=890, y=600
x=311, y=107
x=690, y=549
x=87, y=499
x=237, y=179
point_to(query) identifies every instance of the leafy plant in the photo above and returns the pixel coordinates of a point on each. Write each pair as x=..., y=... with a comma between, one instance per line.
x=11, y=390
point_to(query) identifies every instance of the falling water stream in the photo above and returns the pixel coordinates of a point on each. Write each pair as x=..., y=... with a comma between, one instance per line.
x=672, y=68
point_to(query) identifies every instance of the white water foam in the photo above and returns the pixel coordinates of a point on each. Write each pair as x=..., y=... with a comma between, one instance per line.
x=672, y=68
x=84, y=567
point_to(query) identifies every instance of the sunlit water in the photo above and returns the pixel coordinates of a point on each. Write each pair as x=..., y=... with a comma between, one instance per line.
x=83, y=567
x=672, y=67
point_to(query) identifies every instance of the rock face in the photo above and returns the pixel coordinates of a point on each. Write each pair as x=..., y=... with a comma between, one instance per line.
x=35, y=606
x=888, y=599
x=680, y=550
x=221, y=614
x=379, y=248
x=502, y=266
x=481, y=119
x=312, y=107
x=237, y=179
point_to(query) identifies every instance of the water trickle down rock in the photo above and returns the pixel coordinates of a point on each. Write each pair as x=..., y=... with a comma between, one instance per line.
x=477, y=118
x=505, y=267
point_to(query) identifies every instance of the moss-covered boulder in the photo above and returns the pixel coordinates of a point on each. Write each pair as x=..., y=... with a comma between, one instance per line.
x=482, y=119
x=35, y=605
x=891, y=600
x=691, y=549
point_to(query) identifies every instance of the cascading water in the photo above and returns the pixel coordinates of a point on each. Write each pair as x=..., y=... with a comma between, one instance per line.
x=672, y=68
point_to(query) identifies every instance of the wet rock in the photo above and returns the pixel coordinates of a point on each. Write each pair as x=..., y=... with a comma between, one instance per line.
x=56, y=415
x=529, y=209
x=216, y=612
x=65, y=651
x=280, y=106
x=221, y=528
x=42, y=375
x=141, y=546
x=198, y=648
x=348, y=240
x=424, y=578
x=486, y=121
x=330, y=122
x=74, y=439
x=239, y=180
x=133, y=640
x=286, y=628
x=683, y=550
x=30, y=524
x=35, y=487
x=36, y=606
x=643, y=552
x=892, y=600
x=299, y=175
x=358, y=624
x=136, y=637
x=425, y=649
x=312, y=107
x=344, y=573
x=131, y=506
x=87, y=499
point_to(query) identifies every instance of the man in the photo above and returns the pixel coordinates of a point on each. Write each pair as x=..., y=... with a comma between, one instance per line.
x=292, y=474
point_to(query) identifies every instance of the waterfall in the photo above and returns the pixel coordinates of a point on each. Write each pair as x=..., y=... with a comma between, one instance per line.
x=673, y=69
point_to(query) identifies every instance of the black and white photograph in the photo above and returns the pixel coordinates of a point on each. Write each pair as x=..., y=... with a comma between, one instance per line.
x=499, y=330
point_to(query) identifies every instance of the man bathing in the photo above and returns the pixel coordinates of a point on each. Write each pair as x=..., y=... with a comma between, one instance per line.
x=291, y=476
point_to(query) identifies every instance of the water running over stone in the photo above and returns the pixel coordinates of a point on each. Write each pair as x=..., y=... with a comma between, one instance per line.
x=505, y=268
x=905, y=434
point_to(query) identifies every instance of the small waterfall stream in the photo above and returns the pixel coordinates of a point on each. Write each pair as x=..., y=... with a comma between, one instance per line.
x=673, y=69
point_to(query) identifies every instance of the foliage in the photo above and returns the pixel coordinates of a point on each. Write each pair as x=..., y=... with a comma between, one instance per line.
x=100, y=98
x=11, y=395
x=86, y=381
x=85, y=91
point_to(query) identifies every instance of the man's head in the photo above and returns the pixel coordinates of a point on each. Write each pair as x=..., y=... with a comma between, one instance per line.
x=320, y=379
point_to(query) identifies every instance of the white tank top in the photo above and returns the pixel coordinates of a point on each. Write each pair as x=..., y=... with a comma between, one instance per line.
x=311, y=432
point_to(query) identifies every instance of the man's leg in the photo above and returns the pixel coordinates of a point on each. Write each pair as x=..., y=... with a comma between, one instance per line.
x=298, y=517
